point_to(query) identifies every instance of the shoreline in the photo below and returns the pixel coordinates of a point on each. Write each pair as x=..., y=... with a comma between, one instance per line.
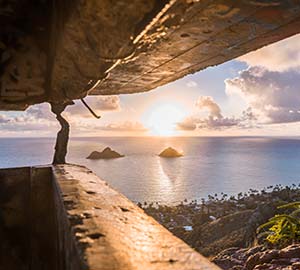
x=213, y=225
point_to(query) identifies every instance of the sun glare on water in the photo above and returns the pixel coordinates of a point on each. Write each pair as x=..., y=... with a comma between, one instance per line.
x=161, y=119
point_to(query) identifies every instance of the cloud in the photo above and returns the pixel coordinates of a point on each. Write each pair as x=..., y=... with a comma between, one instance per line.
x=208, y=102
x=218, y=123
x=124, y=126
x=107, y=103
x=191, y=84
x=97, y=103
x=273, y=96
x=193, y=123
x=36, y=118
x=4, y=119
x=214, y=120
x=37, y=113
x=40, y=111
x=40, y=120
x=189, y=123
x=281, y=56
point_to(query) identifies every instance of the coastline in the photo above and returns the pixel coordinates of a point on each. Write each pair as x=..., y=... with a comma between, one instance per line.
x=223, y=223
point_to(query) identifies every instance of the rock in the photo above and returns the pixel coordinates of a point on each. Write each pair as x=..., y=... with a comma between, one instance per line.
x=264, y=266
x=237, y=267
x=226, y=259
x=292, y=251
x=281, y=261
x=272, y=259
x=268, y=255
x=227, y=252
x=296, y=266
x=227, y=263
x=170, y=153
x=254, y=250
x=252, y=261
x=259, y=258
x=107, y=153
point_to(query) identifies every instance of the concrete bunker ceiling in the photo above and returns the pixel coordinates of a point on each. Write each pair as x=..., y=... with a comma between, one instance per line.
x=58, y=51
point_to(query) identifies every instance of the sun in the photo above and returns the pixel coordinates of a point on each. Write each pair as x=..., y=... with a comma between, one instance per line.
x=162, y=118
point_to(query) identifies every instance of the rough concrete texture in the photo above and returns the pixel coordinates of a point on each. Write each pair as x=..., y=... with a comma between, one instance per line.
x=28, y=221
x=65, y=218
x=57, y=51
x=113, y=233
x=14, y=218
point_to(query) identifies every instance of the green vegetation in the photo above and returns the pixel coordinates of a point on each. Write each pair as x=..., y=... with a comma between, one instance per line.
x=282, y=229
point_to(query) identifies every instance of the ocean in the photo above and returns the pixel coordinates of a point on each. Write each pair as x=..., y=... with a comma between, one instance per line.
x=210, y=164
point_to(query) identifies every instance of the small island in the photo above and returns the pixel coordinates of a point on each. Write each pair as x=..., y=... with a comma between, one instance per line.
x=170, y=153
x=107, y=153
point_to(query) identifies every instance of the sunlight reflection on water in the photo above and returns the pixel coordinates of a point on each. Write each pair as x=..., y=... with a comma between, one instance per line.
x=209, y=166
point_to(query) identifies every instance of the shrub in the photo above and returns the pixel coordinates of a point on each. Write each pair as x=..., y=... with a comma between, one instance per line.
x=283, y=229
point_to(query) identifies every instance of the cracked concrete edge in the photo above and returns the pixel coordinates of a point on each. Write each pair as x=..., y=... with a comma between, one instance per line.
x=111, y=232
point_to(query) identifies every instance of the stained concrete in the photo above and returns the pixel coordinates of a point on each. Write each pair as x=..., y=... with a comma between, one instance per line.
x=28, y=235
x=64, y=217
x=58, y=51
x=113, y=233
x=14, y=218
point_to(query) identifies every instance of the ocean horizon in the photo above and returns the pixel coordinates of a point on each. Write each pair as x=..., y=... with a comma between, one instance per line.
x=210, y=165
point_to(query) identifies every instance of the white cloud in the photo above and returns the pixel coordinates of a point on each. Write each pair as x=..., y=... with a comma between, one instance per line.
x=107, y=103
x=124, y=126
x=97, y=103
x=208, y=103
x=189, y=123
x=40, y=120
x=273, y=96
x=37, y=119
x=214, y=120
x=40, y=111
x=281, y=56
x=4, y=119
x=191, y=84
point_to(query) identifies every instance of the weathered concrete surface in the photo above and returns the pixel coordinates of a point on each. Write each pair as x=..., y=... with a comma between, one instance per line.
x=193, y=35
x=14, y=218
x=28, y=231
x=65, y=218
x=57, y=51
x=113, y=233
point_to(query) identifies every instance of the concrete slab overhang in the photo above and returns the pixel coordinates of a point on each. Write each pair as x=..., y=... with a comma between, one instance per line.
x=65, y=218
x=57, y=51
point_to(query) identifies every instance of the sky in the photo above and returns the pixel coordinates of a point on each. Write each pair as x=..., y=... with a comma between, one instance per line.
x=257, y=94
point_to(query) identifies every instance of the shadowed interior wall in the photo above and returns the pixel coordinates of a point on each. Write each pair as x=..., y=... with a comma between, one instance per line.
x=32, y=222
x=15, y=218
x=44, y=253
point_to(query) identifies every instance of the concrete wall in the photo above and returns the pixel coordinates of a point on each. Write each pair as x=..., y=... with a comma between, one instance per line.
x=32, y=222
x=66, y=218
x=112, y=233
x=15, y=218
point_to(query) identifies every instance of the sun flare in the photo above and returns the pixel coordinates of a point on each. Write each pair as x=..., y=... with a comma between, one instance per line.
x=161, y=119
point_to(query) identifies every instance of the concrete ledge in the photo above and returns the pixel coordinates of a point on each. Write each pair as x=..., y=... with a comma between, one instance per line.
x=66, y=218
x=113, y=233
